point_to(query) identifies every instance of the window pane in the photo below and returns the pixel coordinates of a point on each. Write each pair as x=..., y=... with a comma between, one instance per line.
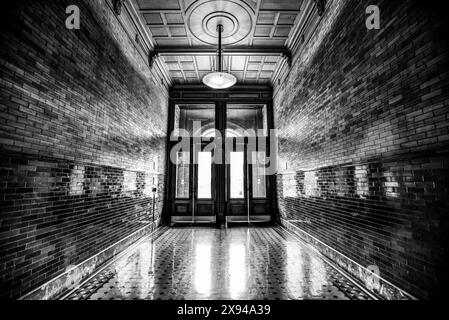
x=237, y=175
x=204, y=175
x=198, y=120
x=182, y=174
x=259, y=182
x=246, y=120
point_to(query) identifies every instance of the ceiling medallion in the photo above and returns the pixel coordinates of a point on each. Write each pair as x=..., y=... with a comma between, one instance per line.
x=235, y=16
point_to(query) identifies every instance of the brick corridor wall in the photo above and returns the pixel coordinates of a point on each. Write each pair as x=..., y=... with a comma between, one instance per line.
x=82, y=132
x=363, y=140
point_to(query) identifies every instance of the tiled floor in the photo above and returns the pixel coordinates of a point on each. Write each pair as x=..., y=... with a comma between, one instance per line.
x=207, y=263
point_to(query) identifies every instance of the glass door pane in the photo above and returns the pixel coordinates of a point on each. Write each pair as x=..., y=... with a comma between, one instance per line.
x=243, y=120
x=182, y=175
x=195, y=120
x=259, y=177
x=204, y=175
x=237, y=175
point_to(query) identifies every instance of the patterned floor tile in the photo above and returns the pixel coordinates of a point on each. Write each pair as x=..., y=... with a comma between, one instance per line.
x=265, y=263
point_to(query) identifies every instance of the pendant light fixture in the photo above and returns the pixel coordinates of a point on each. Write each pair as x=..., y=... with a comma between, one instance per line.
x=220, y=79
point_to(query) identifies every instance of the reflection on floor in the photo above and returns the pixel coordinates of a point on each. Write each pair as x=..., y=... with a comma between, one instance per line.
x=206, y=263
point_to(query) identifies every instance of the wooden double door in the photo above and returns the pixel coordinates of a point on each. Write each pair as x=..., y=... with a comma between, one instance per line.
x=221, y=178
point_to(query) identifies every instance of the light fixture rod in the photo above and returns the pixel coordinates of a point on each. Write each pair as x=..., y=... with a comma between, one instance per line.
x=219, y=79
x=220, y=50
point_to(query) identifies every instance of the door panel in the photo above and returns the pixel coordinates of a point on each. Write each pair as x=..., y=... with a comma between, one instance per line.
x=182, y=206
x=203, y=181
x=236, y=209
x=258, y=175
x=204, y=175
x=194, y=180
x=236, y=180
x=259, y=209
x=237, y=175
x=248, y=198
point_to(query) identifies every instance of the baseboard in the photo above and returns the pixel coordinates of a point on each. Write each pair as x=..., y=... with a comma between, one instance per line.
x=251, y=219
x=76, y=274
x=371, y=281
x=196, y=219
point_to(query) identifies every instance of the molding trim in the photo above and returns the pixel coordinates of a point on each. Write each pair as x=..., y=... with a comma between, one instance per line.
x=133, y=26
x=118, y=5
x=305, y=24
x=321, y=6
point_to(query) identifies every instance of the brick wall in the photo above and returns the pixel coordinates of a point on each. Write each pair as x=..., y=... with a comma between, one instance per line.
x=83, y=127
x=364, y=136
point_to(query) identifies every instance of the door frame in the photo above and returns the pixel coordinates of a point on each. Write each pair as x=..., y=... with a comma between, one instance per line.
x=237, y=202
x=198, y=94
x=193, y=203
x=252, y=204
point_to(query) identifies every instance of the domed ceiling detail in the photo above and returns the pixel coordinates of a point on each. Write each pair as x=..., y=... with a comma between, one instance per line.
x=235, y=15
x=258, y=38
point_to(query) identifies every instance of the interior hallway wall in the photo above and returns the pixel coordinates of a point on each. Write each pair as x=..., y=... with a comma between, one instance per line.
x=364, y=136
x=82, y=130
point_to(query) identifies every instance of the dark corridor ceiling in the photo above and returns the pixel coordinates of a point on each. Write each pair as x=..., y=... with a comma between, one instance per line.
x=258, y=39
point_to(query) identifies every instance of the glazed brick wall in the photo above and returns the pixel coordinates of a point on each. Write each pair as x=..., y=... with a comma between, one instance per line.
x=364, y=139
x=83, y=126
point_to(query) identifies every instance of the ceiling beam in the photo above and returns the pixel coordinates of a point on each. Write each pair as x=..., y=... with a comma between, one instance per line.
x=263, y=51
x=143, y=11
x=230, y=51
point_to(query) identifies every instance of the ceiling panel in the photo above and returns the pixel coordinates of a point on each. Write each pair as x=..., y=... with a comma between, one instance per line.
x=238, y=63
x=263, y=31
x=266, y=74
x=174, y=66
x=275, y=42
x=173, y=41
x=252, y=75
x=282, y=31
x=190, y=74
x=153, y=18
x=192, y=23
x=177, y=74
x=287, y=18
x=159, y=31
x=174, y=18
x=255, y=59
x=269, y=66
x=253, y=67
x=280, y=5
x=158, y=4
x=178, y=31
x=266, y=18
x=271, y=59
x=170, y=59
x=185, y=58
x=203, y=63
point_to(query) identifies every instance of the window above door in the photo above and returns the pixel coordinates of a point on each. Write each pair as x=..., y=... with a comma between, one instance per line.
x=244, y=120
x=195, y=120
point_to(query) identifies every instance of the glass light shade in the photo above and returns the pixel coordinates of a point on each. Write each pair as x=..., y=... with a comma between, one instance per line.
x=219, y=80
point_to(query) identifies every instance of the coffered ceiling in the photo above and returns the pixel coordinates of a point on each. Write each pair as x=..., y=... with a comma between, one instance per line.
x=258, y=38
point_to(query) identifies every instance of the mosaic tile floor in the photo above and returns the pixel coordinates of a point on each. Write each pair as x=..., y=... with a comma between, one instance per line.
x=206, y=263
